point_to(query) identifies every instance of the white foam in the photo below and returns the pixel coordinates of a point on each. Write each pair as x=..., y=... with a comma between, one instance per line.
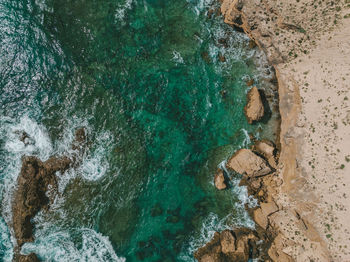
x=121, y=10
x=246, y=140
x=14, y=149
x=93, y=167
x=210, y=225
x=6, y=246
x=177, y=58
x=61, y=246
x=41, y=144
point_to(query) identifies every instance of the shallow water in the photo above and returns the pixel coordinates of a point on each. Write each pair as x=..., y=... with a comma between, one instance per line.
x=162, y=113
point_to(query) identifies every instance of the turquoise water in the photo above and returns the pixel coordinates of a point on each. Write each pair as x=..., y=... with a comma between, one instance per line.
x=162, y=112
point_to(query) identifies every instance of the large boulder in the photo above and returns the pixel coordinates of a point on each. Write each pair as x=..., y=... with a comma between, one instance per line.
x=28, y=258
x=254, y=110
x=267, y=150
x=211, y=252
x=30, y=196
x=227, y=241
x=219, y=180
x=229, y=246
x=245, y=162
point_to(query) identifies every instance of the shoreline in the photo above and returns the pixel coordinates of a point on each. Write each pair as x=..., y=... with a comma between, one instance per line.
x=303, y=42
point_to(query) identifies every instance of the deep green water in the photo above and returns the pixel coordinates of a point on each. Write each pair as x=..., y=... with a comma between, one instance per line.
x=162, y=113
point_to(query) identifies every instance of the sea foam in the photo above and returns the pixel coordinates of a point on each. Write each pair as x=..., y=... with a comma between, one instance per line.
x=61, y=246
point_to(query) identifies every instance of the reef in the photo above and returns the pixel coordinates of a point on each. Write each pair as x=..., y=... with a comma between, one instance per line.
x=35, y=180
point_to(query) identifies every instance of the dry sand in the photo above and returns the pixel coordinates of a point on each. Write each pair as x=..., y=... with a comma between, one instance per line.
x=323, y=138
x=308, y=42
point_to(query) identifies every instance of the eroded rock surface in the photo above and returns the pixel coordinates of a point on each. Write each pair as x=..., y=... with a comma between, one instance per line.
x=245, y=162
x=229, y=246
x=267, y=150
x=219, y=180
x=254, y=110
x=30, y=197
x=29, y=258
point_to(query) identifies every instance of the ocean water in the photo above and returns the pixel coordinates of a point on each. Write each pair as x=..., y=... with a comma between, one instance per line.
x=161, y=111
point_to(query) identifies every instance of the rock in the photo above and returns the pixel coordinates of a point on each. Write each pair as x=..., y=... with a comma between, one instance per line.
x=25, y=138
x=221, y=58
x=30, y=196
x=242, y=251
x=229, y=246
x=211, y=252
x=254, y=110
x=227, y=241
x=268, y=208
x=28, y=258
x=276, y=250
x=205, y=56
x=223, y=41
x=267, y=150
x=244, y=161
x=250, y=82
x=219, y=180
x=260, y=218
x=79, y=139
x=252, y=44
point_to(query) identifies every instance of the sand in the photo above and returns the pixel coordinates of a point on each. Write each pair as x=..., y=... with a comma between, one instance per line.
x=308, y=43
x=323, y=137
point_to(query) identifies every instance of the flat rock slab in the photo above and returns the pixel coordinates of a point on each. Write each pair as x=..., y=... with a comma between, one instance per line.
x=245, y=162
x=254, y=110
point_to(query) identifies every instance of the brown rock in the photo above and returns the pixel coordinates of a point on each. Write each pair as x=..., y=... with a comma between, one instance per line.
x=221, y=58
x=223, y=41
x=266, y=149
x=32, y=184
x=268, y=208
x=254, y=110
x=242, y=251
x=244, y=161
x=28, y=258
x=260, y=218
x=275, y=251
x=230, y=247
x=205, y=56
x=252, y=44
x=30, y=197
x=250, y=82
x=211, y=252
x=219, y=180
x=227, y=241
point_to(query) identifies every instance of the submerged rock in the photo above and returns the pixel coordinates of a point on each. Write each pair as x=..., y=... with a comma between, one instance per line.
x=157, y=210
x=245, y=162
x=254, y=110
x=219, y=180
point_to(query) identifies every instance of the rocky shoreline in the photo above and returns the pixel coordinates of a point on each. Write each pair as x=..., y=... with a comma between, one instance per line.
x=283, y=221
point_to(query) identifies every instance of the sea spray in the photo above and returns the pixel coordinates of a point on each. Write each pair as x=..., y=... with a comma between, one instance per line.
x=61, y=246
x=6, y=246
